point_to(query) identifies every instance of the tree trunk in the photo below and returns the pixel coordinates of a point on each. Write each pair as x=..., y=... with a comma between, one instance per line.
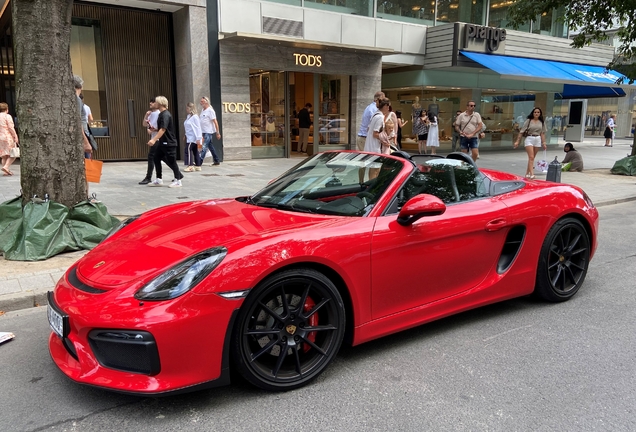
x=52, y=160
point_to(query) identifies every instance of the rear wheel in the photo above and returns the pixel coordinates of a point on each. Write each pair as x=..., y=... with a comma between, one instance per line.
x=288, y=330
x=563, y=263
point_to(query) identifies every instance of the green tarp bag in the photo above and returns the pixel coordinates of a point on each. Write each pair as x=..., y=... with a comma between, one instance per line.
x=43, y=229
x=625, y=166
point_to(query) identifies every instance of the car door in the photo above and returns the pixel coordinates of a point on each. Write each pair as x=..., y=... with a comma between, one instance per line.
x=437, y=256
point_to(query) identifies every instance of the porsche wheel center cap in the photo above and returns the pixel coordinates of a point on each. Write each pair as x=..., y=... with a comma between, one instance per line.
x=561, y=258
x=291, y=329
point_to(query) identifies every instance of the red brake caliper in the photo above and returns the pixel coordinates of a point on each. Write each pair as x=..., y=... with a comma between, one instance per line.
x=312, y=321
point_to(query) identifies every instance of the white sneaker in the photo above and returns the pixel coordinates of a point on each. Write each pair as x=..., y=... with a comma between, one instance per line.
x=175, y=183
x=197, y=168
x=156, y=182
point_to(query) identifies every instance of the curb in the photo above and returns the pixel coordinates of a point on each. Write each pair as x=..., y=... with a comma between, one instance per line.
x=18, y=301
x=614, y=201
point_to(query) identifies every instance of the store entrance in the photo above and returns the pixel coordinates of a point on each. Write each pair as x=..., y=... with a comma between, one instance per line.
x=277, y=99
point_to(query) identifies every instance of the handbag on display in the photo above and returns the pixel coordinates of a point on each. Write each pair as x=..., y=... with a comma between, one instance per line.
x=14, y=152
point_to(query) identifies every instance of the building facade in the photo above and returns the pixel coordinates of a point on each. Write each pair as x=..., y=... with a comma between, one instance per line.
x=261, y=61
x=128, y=52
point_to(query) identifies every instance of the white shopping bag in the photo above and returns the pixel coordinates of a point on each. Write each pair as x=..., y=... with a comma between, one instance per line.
x=541, y=166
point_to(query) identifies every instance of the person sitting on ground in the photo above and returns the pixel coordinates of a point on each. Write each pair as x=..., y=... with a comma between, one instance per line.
x=573, y=158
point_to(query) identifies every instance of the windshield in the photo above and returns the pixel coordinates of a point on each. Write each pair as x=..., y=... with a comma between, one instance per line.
x=329, y=183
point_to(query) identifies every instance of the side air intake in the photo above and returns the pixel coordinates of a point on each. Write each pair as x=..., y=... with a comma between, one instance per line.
x=511, y=248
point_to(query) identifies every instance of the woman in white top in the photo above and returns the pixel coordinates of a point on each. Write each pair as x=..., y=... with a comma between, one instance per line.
x=193, y=138
x=535, y=138
x=433, y=133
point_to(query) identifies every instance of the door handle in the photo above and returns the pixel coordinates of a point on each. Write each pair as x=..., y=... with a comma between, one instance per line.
x=496, y=224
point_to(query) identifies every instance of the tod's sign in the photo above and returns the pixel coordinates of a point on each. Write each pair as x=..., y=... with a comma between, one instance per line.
x=475, y=36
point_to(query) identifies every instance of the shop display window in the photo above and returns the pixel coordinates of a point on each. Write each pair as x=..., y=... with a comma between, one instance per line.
x=334, y=110
x=422, y=12
x=267, y=114
x=87, y=62
x=355, y=7
x=468, y=11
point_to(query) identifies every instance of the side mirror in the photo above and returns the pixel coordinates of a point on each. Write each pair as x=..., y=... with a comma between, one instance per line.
x=420, y=206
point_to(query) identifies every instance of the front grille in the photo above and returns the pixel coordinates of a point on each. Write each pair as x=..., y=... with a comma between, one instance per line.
x=126, y=350
x=76, y=283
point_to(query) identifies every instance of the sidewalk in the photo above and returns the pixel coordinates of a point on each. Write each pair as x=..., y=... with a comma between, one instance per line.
x=24, y=284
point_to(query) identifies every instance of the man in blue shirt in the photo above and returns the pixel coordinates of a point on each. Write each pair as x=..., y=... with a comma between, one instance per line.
x=371, y=109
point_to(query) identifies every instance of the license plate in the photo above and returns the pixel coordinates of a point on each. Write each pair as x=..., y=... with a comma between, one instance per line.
x=57, y=321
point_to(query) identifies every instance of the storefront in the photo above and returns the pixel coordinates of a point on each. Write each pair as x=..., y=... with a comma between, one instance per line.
x=267, y=82
x=126, y=56
x=506, y=73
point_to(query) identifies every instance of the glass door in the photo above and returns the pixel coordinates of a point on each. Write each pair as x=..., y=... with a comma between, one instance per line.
x=333, y=121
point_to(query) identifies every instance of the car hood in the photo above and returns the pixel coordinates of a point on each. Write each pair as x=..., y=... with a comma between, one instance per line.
x=168, y=236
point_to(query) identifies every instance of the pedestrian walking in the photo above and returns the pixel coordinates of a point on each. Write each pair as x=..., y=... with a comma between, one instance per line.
x=304, y=124
x=433, y=132
x=78, y=84
x=468, y=124
x=167, y=148
x=8, y=140
x=421, y=130
x=209, y=127
x=609, y=133
x=150, y=123
x=534, y=130
x=369, y=112
x=455, y=134
x=400, y=124
x=193, y=139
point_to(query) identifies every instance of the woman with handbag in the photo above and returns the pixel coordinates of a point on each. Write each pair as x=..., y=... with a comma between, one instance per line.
x=533, y=130
x=9, y=149
x=193, y=138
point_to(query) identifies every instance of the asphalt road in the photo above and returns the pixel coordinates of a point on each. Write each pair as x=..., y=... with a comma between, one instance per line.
x=516, y=366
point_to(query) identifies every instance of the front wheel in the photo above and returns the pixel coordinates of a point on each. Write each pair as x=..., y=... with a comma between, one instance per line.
x=288, y=330
x=563, y=263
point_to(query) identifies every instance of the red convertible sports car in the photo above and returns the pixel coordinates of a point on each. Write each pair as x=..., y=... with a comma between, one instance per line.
x=345, y=247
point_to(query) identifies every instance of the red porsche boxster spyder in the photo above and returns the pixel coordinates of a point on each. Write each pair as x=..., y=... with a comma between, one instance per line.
x=272, y=284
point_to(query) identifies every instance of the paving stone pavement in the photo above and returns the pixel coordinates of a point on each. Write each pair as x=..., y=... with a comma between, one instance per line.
x=24, y=284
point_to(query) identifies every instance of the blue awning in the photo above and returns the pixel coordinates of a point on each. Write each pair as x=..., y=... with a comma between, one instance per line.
x=575, y=91
x=546, y=70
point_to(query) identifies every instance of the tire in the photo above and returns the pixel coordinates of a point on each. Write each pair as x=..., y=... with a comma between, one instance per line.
x=297, y=312
x=563, y=263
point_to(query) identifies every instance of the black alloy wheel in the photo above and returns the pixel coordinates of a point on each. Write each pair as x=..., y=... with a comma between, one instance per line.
x=288, y=330
x=564, y=259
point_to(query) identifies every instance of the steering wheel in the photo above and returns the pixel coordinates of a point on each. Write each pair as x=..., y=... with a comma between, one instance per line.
x=366, y=197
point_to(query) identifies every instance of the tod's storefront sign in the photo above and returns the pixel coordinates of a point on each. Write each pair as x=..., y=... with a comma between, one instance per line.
x=484, y=39
x=236, y=107
x=309, y=60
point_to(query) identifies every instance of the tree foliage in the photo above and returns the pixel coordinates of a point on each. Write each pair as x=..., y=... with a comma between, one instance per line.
x=591, y=19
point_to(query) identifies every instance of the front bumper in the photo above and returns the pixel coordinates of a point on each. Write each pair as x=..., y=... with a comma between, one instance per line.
x=150, y=348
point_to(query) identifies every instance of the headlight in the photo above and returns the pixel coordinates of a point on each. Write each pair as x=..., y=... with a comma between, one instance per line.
x=182, y=277
x=121, y=225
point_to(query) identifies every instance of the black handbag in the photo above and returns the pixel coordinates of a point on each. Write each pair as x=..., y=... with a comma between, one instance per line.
x=91, y=138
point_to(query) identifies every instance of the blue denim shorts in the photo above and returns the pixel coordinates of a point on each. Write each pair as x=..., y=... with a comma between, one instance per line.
x=469, y=143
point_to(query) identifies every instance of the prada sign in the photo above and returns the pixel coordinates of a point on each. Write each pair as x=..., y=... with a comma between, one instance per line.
x=475, y=36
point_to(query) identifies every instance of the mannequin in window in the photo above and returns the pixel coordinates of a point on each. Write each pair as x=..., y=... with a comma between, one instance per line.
x=416, y=109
